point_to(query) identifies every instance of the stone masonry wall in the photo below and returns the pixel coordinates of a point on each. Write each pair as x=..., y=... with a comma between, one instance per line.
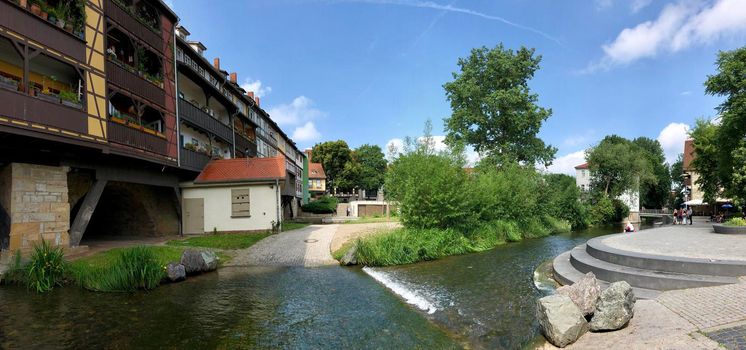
x=38, y=205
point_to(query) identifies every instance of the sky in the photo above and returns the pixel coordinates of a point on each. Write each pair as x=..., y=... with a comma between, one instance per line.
x=372, y=71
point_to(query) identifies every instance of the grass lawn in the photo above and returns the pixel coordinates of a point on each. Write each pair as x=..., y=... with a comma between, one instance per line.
x=339, y=253
x=220, y=241
x=164, y=255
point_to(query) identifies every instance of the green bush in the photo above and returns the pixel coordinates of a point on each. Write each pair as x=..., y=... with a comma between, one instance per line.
x=323, y=205
x=556, y=226
x=736, y=222
x=510, y=193
x=560, y=198
x=406, y=246
x=46, y=268
x=621, y=210
x=534, y=228
x=134, y=268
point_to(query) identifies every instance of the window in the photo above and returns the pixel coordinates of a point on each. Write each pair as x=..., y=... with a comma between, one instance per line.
x=318, y=184
x=240, y=203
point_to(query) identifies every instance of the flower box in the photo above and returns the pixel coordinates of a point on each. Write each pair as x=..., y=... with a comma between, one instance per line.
x=118, y=120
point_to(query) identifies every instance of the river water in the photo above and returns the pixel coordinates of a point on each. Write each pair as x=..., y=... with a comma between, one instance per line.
x=483, y=300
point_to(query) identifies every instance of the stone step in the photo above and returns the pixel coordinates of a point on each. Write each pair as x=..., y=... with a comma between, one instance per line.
x=599, y=250
x=642, y=278
x=566, y=274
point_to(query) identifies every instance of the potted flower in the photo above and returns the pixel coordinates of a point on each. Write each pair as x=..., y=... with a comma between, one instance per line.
x=191, y=147
x=70, y=99
x=23, y=3
x=35, y=7
x=52, y=15
x=44, y=14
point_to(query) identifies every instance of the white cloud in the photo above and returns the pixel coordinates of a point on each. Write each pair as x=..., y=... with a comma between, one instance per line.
x=472, y=157
x=306, y=133
x=259, y=89
x=300, y=110
x=685, y=93
x=638, y=5
x=672, y=139
x=393, y=148
x=678, y=26
x=566, y=164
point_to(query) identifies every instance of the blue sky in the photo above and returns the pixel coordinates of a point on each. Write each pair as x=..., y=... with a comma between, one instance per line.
x=372, y=71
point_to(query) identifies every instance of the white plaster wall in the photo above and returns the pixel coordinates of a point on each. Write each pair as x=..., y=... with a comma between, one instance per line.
x=354, y=206
x=217, y=200
x=583, y=177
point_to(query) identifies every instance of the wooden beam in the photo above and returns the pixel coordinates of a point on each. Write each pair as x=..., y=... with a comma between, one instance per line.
x=83, y=217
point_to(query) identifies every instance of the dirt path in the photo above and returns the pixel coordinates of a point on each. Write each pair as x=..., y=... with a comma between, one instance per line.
x=350, y=232
x=308, y=246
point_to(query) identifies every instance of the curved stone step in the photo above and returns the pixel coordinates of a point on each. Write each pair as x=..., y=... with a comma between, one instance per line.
x=642, y=278
x=566, y=274
x=599, y=250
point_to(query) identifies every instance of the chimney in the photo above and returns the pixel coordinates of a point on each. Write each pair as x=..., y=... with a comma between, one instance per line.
x=234, y=78
x=250, y=94
x=257, y=100
x=216, y=63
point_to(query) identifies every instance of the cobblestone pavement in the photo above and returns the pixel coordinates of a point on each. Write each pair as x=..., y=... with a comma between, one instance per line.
x=708, y=307
x=308, y=246
x=731, y=338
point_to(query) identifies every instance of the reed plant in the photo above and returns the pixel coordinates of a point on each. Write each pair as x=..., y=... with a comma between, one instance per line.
x=46, y=268
x=132, y=269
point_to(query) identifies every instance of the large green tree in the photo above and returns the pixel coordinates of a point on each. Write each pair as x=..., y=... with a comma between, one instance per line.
x=706, y=162
x=654, y=193
x=730, y=135
x=372, y=166
x=677, y=183
x=493, y=108
x=333, y=156
x=617, y=165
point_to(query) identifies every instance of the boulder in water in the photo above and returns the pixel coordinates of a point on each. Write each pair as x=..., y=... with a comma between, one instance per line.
x=175, y=272
x=560, y=320
x=615, y=307
x=584, y=293
x=196, y=261
x=349, y=258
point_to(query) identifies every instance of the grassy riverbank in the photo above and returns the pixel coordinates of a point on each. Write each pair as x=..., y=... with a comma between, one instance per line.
x=408, y=245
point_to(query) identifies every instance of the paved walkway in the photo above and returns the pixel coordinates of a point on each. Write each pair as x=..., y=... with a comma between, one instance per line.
x=683, y=241
x=308, y=246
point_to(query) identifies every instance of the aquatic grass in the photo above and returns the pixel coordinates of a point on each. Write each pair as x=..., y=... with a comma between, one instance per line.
x=124, y=270
x=556, y=226
x=46, y=267
x=226, y=240
x=16, y=273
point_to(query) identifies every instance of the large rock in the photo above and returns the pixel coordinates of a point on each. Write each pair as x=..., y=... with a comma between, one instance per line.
x=584, y=293
x=196, y=261
x=615, y=307
x=560, y=319
x=349, y=258
x=175, y=272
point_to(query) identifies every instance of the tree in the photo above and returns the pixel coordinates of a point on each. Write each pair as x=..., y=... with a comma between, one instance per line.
x=705, y=161
x=654, y=193
x=677, y=183
x=494, y=109
x=729, y=137
x=372, y=167
x=617, y=165
x=333, y=156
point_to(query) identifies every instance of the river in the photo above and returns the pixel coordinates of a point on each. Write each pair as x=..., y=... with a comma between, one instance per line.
x=483, y=300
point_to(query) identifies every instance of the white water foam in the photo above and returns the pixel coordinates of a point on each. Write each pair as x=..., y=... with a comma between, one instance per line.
x=410, y=295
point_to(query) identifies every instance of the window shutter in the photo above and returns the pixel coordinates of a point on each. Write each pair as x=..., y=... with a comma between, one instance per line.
x=240, y=203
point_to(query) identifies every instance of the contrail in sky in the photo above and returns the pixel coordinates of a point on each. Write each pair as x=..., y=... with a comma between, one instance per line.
x=449, y=8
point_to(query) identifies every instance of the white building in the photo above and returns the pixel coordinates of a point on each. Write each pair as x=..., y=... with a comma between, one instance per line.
x=630, y=198
x=234, y=195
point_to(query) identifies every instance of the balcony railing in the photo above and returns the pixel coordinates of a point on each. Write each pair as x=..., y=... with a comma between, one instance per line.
x=41, y=31
x=20, y=106
x=134, y=83
x=197, y=117
x=245, y=146
x=193, y=160
x=126, y=135
x=132, y=25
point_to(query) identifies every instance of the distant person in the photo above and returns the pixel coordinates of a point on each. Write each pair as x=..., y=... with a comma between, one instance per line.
x=348, y=211
x=629, y=227
x=690, y=215
x=681, y=216
x=675, y=216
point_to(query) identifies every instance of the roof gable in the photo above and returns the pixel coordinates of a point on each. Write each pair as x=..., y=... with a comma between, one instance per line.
x=242, y=170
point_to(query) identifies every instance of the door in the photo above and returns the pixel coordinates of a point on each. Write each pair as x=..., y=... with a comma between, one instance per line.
x=194, y=215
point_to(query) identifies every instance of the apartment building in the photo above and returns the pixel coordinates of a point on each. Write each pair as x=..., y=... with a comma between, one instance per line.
x=105, y=108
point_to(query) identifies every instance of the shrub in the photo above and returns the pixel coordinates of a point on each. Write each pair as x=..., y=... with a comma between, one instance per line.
x=602, y=211
x=621, y=210
x=560, y=198
x=323, y=205
x=534, y=228
x=46, y=267
x=134, y=268
x=736, y=222
x=556, y=226
x=510, y=193
x=406, y=246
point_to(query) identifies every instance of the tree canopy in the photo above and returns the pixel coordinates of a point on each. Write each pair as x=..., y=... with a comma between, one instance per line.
x=333, y=156
x=493, y=108
x=655, y=192
x=618, y=165
x=372, y=165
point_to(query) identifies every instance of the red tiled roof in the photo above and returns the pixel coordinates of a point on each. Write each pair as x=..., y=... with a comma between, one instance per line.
x=316, y=171
x=688, y=154
x=242, y=170
x=582, y=166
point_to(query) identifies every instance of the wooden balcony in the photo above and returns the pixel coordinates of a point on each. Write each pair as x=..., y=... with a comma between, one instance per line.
x=134, y=26
x=20, y=106
x=243, y=144
x=134, y=83
x=193, y=160
x=25, y=23
x=198, y=118
x=125, y=135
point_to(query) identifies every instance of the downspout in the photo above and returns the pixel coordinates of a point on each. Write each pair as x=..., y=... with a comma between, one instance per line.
x=176, y=99
x=277, y=201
